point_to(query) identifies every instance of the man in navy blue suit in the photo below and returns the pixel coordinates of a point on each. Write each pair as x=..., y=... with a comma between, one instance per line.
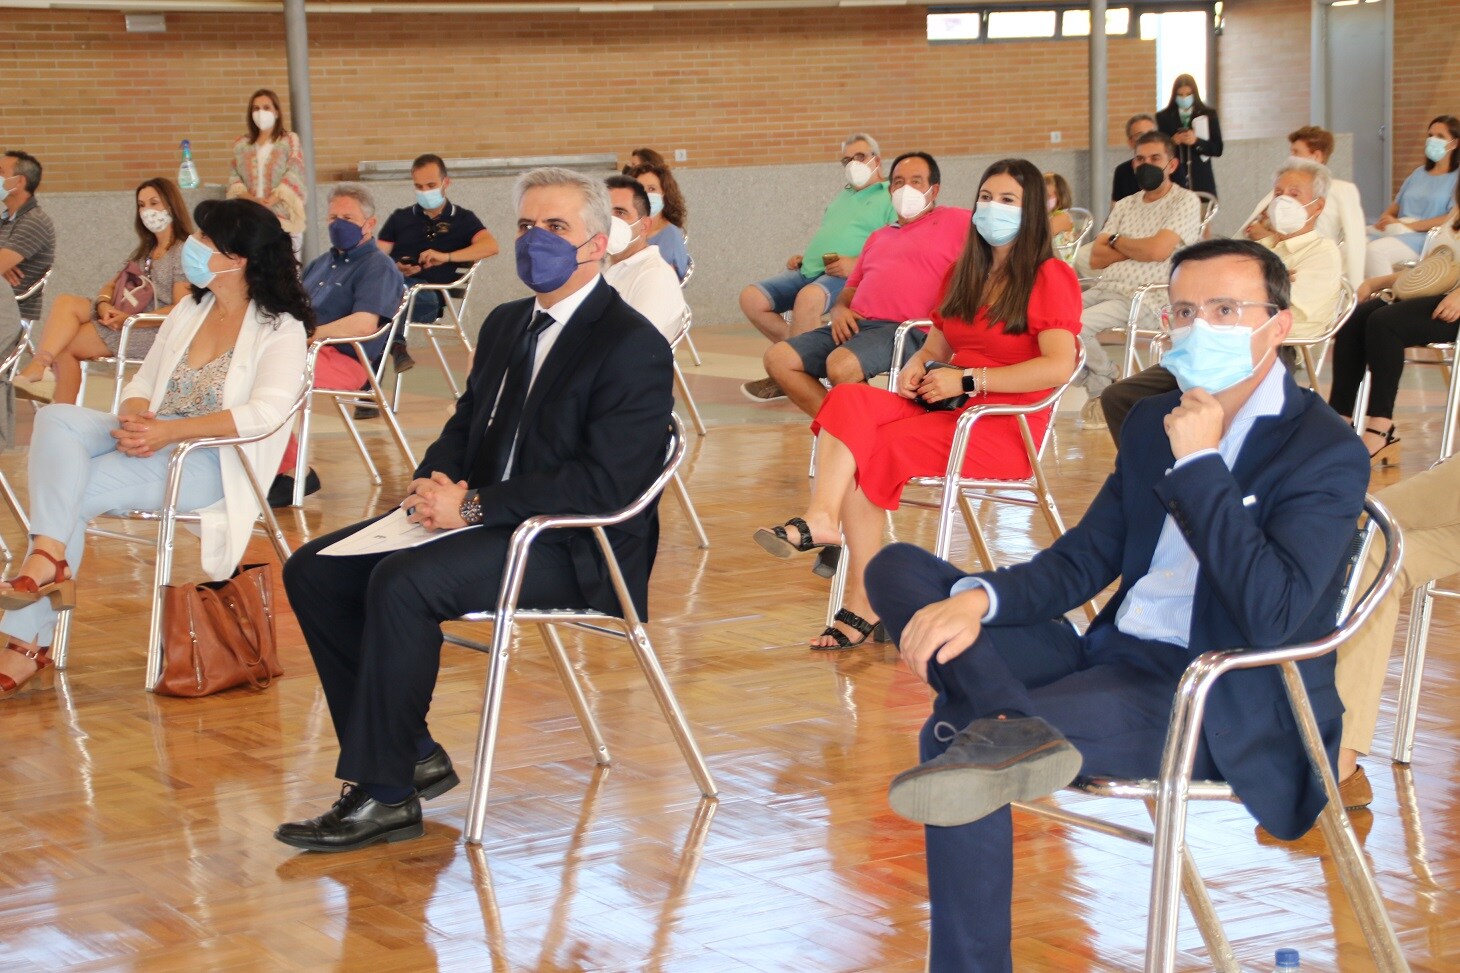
x=1227, y=519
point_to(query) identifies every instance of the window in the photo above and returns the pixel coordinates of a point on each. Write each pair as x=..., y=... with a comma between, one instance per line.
x=954, y=26
x=1009, y=24
x=1076, y=23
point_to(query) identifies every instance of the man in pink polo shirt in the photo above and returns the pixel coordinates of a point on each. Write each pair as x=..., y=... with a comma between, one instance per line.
x=898, y=277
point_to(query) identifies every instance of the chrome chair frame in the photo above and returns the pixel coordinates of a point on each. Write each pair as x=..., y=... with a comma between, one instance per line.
x=1315, y=350
x=453, y=307
x=681, y=492
x=119, y=362
x=506, y=616
x=345, y=400
x=168, y=517
x=1210, y=207
x=1084, y=227
x=1133, y=332
x=688, y=341
x=24, y=341
x=1174, y=871
x=1031, y=491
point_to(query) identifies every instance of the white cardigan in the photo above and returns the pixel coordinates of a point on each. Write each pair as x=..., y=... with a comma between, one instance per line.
x=262, y=382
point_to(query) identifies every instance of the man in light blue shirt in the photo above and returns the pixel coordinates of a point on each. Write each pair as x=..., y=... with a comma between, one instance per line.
x=1226, y=521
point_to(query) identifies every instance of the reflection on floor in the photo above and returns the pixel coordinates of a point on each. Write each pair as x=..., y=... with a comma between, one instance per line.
x=134, y=829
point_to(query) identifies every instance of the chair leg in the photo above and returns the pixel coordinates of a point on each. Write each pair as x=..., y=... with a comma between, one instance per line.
x=61, y=640
x=445, y=368
x=354, y=432
x=1416, y=641
x=377, y=395
x=481, y=777
x=574, y=688
x=838, y=584
x=681, y=492
x=673, y=715
x=13, y=502
x=301, y=460
x=694, y=352
x=1194, y=890
x=688, y=400
x=976, y=535
x=162, y=574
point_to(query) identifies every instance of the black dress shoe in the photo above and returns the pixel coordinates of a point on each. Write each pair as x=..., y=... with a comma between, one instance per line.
x=281, y=491
x=401, y=358
x=356, y=820
x=990, y=763
x=434, y=775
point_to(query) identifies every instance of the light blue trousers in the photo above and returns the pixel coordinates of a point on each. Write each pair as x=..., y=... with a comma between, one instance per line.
x=76, y=473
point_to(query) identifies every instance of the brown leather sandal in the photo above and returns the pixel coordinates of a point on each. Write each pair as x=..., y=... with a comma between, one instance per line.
x=24, y=590
x=42, y=678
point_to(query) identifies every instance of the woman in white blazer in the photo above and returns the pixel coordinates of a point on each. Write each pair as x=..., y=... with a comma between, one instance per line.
x=228, y=361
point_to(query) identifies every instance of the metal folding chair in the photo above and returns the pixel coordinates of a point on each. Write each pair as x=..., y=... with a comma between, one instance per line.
x=1174, y=870
x=627, y=624
x=1145, y=297
x=455, y=297
x=1315, y=350
x=345, y=400
x=119, y=362
x=168, y=517
x=1084, y=222
x=24, y=341
x=954, y=492
x=681, y=492
x=688, y=341
x=1209, y=209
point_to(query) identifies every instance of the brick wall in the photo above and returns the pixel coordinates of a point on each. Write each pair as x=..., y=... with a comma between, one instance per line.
x=104, y=109
x=1426, y=74
x=1263, y=67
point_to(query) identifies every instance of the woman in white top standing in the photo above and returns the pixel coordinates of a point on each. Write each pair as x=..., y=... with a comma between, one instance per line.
x=268, y=165
x=1342, y=219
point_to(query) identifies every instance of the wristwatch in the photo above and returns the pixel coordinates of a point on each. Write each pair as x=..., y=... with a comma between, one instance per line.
x=969, y=385
x=1113, y=238
x=471, y=507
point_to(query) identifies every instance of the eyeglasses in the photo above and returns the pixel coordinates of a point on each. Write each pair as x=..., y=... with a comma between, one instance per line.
x=1217, y=311
x=859, y=157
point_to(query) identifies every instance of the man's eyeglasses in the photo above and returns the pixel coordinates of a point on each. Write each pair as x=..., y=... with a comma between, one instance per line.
x=859, y=157
x=1217, y=311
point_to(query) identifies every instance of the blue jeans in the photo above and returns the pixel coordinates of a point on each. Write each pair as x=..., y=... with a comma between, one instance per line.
x=871, y=346
x=76, y=474
x=781, y=290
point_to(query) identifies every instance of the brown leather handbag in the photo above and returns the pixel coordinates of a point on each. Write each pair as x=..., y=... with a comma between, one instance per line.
x=219, y=634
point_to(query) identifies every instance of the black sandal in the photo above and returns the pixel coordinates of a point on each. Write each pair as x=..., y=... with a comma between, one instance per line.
x=875, y=631
x=776, y=541
x=827, y=560
x=1387, y=454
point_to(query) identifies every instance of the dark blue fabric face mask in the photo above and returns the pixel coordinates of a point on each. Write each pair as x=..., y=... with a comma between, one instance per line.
x=345, y=235
x=545, y=260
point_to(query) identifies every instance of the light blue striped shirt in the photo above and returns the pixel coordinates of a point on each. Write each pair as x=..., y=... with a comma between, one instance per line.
x=1158, y=606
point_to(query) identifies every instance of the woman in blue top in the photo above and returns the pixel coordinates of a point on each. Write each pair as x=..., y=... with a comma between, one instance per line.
x=667, y=213
x=1424, y=200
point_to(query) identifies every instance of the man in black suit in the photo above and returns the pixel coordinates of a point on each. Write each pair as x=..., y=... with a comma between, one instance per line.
x=566, y=411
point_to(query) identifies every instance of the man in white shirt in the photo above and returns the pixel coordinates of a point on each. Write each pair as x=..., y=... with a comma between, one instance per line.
x=1134, y=248
x=1314, y=271
x=637, y=271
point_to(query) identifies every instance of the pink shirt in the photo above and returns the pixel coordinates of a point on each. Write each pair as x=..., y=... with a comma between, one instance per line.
x=902, y=268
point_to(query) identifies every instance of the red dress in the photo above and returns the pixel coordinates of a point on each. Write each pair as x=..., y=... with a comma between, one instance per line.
x=895, y=439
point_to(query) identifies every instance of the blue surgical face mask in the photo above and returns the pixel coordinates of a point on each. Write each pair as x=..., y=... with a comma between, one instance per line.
x=195, y=257
x=431, y=198
x=545, y=260
x=997, y=223
x=656, y=203
x=1184, y=102
x=1212, y=357
x=345, y=235
x=1436, y=148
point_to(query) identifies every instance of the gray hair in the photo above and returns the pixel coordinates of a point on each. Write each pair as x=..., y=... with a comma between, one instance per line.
x=1322, y=178
x=597, y=209
x=1142, y=117
x=28, y=167
x=863, y=137
x=357, y=192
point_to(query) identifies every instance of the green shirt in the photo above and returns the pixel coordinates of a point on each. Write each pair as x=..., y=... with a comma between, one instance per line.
x=852, y=217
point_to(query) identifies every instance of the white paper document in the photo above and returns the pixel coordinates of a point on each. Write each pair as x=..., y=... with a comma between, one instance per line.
x=393, y=532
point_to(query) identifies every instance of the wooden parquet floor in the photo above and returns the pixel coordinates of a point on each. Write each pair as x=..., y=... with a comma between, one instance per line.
x=135, y=829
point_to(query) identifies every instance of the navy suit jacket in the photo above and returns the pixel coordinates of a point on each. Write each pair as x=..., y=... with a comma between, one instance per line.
x=1270, y=572
x=592, y=438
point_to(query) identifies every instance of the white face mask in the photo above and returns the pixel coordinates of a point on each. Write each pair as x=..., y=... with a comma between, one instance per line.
x=909, y=202
x=1287, y=215
x=858, y=173
x=7, y=186
x=265, y=120
x=156, y=220
x=621, y=236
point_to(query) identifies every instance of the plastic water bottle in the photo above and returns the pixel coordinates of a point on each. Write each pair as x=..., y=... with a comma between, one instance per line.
x=1286, y=961
x=187, y=172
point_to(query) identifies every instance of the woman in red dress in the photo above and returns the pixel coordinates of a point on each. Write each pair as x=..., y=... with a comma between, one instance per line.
x=1008, y=320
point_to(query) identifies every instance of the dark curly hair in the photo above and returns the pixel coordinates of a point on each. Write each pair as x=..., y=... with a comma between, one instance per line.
x=243, y=228
x=674, y=209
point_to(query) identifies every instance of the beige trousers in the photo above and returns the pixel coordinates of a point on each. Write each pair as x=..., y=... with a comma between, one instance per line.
x=1427, y=507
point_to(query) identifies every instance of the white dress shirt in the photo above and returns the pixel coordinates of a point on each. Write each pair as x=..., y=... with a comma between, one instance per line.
x=651, y=287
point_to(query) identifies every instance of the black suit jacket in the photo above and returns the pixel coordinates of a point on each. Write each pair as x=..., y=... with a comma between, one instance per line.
x=1196, y=173
x=592, y=438
x=1270, y=537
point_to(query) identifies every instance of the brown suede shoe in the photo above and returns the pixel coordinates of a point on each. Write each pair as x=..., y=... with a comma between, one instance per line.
x=1356, y=794
x=1355, y=791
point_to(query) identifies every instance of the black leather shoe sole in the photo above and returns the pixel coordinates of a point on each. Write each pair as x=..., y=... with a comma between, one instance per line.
x=404, y=833
x=434, y=776
x=439, y=786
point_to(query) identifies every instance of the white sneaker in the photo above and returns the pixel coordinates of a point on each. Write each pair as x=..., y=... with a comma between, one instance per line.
x=36, y=389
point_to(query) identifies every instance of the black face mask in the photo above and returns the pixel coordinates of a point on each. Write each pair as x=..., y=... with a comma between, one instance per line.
x=1149, y=177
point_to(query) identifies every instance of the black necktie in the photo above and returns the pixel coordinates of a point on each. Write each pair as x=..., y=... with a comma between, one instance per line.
x=496, y=448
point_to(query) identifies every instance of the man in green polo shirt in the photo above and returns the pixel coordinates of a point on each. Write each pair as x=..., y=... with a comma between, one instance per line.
x=811, y=282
